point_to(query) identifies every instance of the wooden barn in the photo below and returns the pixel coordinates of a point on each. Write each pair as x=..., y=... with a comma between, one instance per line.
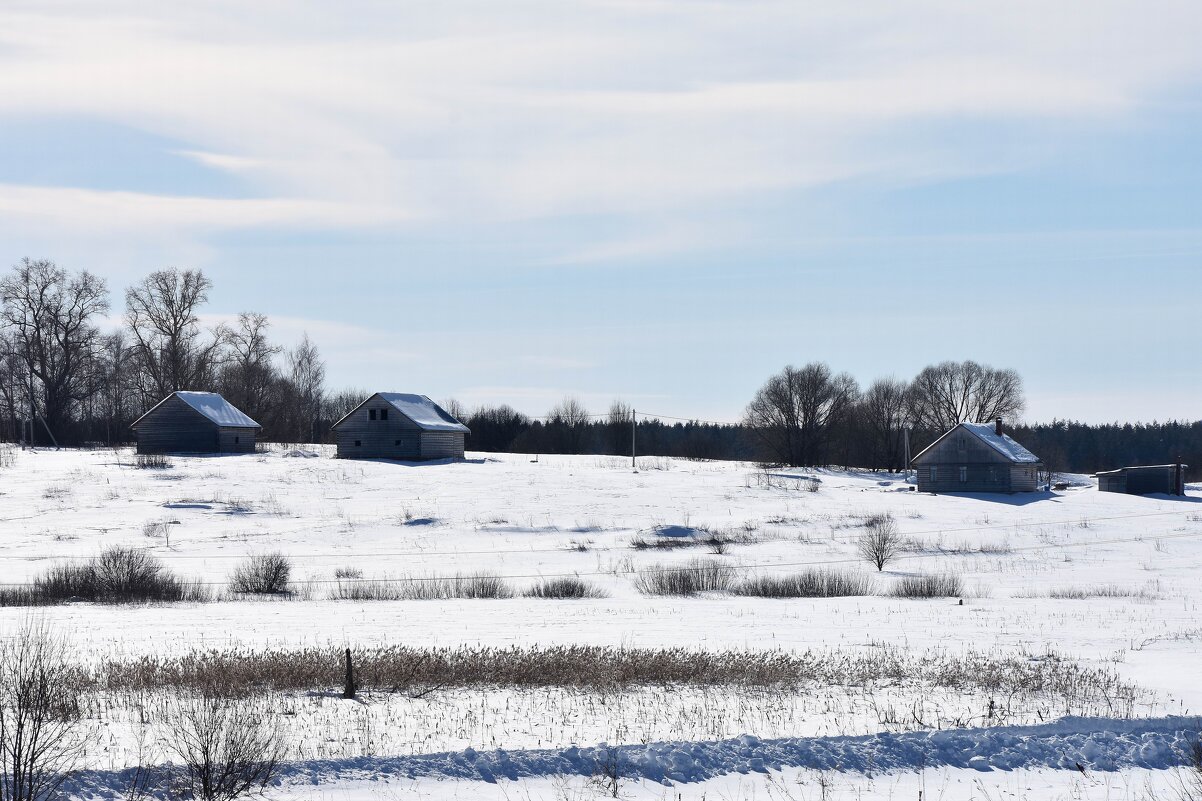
x=195, y=422
x=976, y=457
x=1164, y=479
x=396, y=425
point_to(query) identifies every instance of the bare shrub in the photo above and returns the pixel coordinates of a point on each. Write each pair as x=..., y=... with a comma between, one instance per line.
x=1188, y=779
x=262, y=574
x=423, y=588
x=880, y=542
x=820, y=583
x=117, y=575
x=353, y=590
x=152, y=461
x=226, y=749
x=696, y=575
x=1101, y=591
x=944, y=585
x=348, y=573
x=568, y=587
x=474, y=585
x=40, y=741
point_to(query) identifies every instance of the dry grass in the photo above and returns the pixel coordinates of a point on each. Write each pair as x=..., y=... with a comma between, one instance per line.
x=416, y=671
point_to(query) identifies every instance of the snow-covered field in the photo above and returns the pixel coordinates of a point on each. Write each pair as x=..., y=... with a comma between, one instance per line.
x=1110, y=580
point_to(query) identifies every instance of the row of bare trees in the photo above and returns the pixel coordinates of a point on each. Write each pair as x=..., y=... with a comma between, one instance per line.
x=811, y=416
x=69, y=381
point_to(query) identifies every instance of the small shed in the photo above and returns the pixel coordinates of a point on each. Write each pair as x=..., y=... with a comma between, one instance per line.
x=1165, y=479
x=398, y=425
x=195, y=422
x=976, y=457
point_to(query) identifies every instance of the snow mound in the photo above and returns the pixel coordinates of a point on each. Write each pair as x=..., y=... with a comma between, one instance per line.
x=1092, y=744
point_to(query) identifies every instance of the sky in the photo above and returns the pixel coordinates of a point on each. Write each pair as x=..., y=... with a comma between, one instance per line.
x=661, y=201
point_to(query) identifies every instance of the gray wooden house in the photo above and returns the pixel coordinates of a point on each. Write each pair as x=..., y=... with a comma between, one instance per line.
x=396, y=425
x=976, y=457
x=195, y=422
x=1165, y=479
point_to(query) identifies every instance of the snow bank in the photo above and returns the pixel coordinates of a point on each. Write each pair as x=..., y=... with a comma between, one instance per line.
x=1092, y=744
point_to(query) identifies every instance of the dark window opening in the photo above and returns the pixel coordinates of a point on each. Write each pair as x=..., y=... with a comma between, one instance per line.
x=398, y=442
x=963, y=474
x=371, y=414
x=383, y=414
x=357, y=443
x=236, y=440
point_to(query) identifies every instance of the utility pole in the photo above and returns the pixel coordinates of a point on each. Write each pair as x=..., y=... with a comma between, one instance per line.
x=907, y=430
x=634, y=434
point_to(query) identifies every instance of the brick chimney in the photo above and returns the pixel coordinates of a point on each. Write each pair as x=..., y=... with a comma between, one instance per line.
x=997, y=426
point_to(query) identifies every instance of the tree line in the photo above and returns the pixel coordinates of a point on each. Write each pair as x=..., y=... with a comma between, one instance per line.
x=65, y=380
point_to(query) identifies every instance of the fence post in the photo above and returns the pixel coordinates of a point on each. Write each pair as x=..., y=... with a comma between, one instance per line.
x=349, y=688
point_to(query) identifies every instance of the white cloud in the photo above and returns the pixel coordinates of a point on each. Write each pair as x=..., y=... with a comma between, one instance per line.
x=115, y=212
x=471, y=112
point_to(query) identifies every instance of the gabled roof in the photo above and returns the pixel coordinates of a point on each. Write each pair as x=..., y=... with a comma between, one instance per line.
x=425, y=413
x=987, y=433
x=212, y=406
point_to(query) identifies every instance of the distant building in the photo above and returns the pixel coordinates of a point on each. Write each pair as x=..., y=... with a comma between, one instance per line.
x=195, y=422
x=976, y=457
x=395, y=425
x=1165, y=479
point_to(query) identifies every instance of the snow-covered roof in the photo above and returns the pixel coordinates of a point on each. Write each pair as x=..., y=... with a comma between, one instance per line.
x=212, y=406
x=427, y=414
x=1002, y=443
x=423, y=411
x=987, y=433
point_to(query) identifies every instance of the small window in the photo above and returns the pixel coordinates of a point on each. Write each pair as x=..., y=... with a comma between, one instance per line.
x=383, y=414
x=357, y=443
x=371, y=414
x=934, y=474
x=236, y=440
x=397, y=443
x=963, y=475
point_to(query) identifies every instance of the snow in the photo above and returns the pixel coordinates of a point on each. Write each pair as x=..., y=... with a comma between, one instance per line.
x=423, y=411
x=1002, y=443
x=579, y=516
x=217, y=409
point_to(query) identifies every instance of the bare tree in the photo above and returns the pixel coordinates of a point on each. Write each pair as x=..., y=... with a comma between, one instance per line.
x=454, y=408
x=949, y=393
x=40, y=739
x=796, y=411
x=884, y=412
x=568, y=419
x=249, y=372
x=226, y=749
x=880, y=542
x=48, y=313
x=162, y=315
x=307, y=372
x=617, y=427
